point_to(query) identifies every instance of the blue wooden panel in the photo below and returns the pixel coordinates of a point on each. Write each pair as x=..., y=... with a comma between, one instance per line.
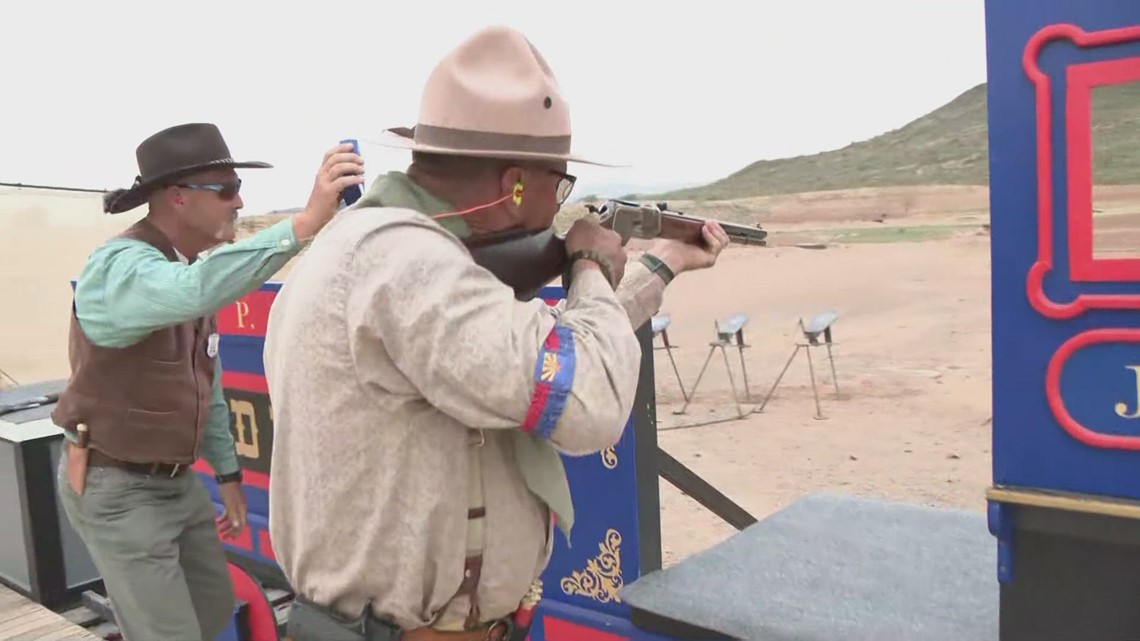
x=557, y=621
x=1092, y=399
x=232, y=629
x=1041, y=277
x=242, y=354
x=604, y=553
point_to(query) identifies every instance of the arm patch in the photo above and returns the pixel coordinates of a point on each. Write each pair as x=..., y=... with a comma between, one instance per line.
x=553, y=378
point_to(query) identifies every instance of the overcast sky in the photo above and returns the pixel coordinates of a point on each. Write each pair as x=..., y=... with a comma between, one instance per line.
x=684, y=93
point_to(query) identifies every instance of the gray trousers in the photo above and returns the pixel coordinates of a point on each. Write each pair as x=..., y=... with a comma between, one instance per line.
x=155, y=544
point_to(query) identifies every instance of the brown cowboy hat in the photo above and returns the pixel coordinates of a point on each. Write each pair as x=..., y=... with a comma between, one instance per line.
x=493, y=96
x=170, y=154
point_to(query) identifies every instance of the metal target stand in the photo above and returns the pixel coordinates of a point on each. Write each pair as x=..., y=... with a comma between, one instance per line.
x=819, y=325
x=726, y=329
x=660, y=325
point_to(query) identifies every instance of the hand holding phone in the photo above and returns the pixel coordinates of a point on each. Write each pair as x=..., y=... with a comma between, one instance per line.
x=354, y=192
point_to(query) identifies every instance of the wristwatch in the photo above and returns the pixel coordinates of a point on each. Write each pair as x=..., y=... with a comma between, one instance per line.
x=232, y=477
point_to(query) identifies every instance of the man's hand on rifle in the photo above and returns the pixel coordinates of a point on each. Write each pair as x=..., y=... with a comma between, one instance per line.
x=587, y=235
x=683, y=257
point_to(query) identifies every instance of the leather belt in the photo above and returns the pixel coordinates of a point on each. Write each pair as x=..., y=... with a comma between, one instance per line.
x=497, y=631
x=172, y=470
x=311, y=622
x=431, y=634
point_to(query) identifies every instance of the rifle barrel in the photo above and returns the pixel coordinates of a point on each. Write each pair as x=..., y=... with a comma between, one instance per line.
x=53, y=188
x=745, y=234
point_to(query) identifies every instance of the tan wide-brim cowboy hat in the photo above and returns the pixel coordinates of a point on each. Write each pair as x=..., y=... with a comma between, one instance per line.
x=493, y=96
x=170, y=154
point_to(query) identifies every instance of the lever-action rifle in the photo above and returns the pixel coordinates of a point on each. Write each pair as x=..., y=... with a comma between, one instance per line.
x=528, y=261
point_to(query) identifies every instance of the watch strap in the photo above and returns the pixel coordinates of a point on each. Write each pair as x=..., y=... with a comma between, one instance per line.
x=588, y=254
x=232, y=477
x=658, y=266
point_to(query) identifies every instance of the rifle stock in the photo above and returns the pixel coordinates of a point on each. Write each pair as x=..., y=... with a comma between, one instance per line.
x=527, y=262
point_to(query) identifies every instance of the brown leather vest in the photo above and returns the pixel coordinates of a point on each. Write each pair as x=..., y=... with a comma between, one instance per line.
x=149, y=402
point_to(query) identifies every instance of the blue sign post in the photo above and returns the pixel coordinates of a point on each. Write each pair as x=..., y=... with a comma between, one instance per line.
x=1065, y=504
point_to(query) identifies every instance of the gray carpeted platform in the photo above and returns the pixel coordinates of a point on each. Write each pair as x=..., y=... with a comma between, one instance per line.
x=30, y=402
x=838, y=568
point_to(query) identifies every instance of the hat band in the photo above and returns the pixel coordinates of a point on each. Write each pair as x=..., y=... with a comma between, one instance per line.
x=469, y=140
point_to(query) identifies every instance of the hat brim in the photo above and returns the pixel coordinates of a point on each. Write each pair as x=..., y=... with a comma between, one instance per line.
x=121, y=200
x=403, y=138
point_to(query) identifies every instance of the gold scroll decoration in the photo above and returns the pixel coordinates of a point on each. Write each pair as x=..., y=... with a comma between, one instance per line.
x=609, y=458
x=601, y=579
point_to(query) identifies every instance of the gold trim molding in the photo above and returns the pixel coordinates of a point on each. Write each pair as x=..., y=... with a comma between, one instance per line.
x=601, y=580
x=1069, y=501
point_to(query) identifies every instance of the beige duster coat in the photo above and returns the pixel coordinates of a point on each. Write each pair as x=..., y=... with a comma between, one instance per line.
x=386, y=343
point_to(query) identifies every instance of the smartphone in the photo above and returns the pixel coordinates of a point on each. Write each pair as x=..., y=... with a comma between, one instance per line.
x=353, y=193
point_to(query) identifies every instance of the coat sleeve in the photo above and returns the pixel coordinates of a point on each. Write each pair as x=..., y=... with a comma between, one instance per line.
x=640, y=293
x=460, y=339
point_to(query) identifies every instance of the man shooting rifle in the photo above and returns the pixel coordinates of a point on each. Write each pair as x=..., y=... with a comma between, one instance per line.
x=420, y=408
x=527, y=262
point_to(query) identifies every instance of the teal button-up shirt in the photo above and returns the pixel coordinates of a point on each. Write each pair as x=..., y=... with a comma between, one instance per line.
x=128, y=289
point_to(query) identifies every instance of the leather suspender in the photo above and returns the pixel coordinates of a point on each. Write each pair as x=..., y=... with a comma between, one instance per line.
x=476, y=524
x=476, y=527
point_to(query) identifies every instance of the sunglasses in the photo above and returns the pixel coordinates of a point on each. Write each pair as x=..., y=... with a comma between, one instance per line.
x=226, y=190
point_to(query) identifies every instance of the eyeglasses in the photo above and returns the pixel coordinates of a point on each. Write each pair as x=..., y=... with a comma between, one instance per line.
x=225, y=191
x=565, y=185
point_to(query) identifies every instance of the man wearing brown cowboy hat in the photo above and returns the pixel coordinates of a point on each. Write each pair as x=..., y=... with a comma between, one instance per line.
x=145, y=398
x=419, y=407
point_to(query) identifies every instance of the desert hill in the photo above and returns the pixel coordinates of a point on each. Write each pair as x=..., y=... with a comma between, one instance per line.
x=948, y=146
x=934, y=164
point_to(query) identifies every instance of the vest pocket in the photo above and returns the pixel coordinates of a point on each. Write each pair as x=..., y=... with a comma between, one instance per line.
x=148, y=421
x=162, y=437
